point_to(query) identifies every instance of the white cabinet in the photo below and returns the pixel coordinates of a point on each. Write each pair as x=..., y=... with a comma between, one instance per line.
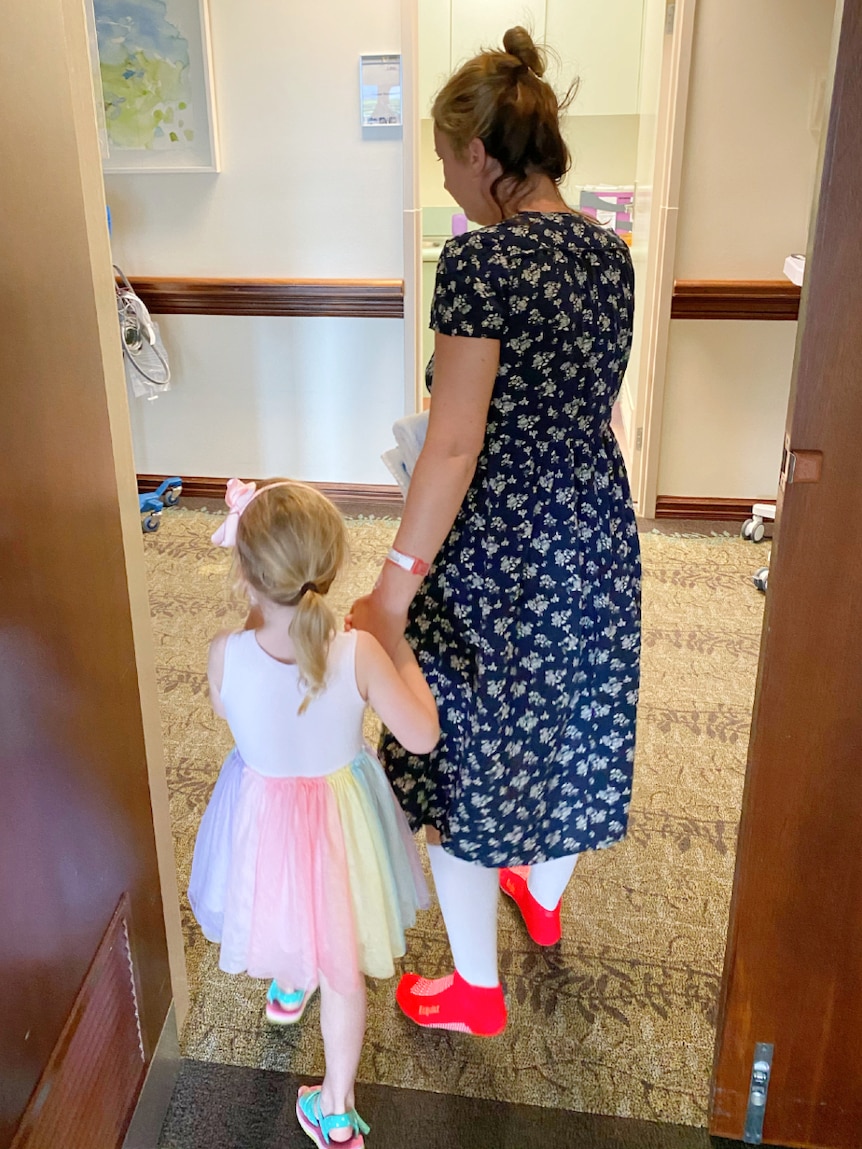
x=478, y=24
x=598, y=41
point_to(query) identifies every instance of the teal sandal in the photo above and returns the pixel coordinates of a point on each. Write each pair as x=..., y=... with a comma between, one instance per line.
x=318, y=1127
x=286, y=1008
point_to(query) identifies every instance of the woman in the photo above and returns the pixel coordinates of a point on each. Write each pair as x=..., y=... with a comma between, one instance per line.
x=527, y=624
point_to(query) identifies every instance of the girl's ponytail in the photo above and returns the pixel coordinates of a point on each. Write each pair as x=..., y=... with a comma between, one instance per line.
x=312, y=629
x=291, y=542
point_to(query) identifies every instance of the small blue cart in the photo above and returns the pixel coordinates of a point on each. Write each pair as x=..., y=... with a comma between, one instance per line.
x=167, y=494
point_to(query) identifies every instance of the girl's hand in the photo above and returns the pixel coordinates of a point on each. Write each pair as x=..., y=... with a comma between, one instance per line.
x=371, y=613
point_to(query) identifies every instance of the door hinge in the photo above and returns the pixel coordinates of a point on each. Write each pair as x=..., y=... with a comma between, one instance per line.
x=799, y=466
x=761, y=1071
x=669, y=17
x=639, y=439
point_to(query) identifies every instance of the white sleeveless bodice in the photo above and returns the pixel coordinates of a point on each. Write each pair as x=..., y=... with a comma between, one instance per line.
x=261, y=697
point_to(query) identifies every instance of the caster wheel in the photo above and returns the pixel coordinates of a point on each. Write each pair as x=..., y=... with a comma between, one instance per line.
x=760, y=578
x=753, y=530
x=150, y=523
x=172, y=496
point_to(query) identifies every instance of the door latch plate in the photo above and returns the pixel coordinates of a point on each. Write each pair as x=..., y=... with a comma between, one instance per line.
x=761, y=1070
x=799, y=466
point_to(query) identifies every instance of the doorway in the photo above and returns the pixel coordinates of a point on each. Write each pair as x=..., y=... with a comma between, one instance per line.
x=624, y=129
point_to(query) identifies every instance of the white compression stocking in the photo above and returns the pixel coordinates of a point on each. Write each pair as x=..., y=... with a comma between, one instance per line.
x=548, y=880
x=468, y=900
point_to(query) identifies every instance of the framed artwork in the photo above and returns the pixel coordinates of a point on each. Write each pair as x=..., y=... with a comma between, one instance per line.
x=155, y=66
x=380, y=91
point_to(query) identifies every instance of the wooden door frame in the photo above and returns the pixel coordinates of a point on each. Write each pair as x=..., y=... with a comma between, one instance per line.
x=414, y=368
x=661, y=258
x=791, y=975
x=97, y=956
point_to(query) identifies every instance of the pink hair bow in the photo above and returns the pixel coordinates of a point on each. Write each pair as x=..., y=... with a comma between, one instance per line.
x=237, y=496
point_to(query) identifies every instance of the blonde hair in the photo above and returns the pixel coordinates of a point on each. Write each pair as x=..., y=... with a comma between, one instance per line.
x=500, y=98
x=291, y=542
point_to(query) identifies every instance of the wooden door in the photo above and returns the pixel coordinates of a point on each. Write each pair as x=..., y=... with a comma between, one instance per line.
x=793, y=971
x=85, y=977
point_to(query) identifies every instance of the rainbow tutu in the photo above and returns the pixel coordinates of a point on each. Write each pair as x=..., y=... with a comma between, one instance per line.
x=295, y=877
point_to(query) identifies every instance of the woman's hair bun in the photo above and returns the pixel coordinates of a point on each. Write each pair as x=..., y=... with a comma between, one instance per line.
x=519, y=43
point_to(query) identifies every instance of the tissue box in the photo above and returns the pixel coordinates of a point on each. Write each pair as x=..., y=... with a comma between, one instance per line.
x=611, y=207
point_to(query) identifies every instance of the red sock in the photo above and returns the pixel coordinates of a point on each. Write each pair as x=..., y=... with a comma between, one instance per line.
x=543, y=925
x=452, y=1003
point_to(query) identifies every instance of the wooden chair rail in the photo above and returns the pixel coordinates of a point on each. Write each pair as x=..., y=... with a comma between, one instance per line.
x=347, y=298
x=384, y=298
x=767, y=299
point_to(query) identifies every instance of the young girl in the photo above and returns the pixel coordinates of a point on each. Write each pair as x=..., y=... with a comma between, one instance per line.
x=304, y=868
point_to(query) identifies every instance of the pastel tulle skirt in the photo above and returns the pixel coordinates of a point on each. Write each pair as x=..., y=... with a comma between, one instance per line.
x=301, y=876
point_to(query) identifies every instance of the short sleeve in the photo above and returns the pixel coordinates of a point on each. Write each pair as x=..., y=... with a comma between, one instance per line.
x=470, y=290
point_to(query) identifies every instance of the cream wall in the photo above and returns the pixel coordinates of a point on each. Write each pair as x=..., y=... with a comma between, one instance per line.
x=300, y=194
x=748, y=176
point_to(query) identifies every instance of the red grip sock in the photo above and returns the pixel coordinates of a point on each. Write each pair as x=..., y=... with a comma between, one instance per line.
x=543, y=925
x=452, y=1003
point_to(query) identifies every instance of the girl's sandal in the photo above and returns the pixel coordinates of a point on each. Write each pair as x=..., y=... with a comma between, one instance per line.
x=286, y=1008
x=318, y=1127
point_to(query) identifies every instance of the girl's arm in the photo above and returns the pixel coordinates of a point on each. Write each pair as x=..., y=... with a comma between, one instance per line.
x=464, y=373
x=396, y=690
x=215, y=670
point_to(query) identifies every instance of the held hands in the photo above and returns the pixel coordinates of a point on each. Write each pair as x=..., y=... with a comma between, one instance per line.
x=371, y=613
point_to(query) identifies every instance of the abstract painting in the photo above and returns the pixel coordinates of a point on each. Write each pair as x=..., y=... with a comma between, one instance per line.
x=156, y=73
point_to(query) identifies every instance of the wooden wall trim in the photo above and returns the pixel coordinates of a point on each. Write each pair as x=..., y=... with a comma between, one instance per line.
x=384, y=298
x=351, y=498
x=768, y=299
x=347, y=298
x=718, y=510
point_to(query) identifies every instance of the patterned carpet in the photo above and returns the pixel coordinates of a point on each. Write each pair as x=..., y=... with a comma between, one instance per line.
x=618, y=1018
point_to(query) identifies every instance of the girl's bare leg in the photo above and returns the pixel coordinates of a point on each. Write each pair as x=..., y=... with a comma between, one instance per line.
x=342, y=1025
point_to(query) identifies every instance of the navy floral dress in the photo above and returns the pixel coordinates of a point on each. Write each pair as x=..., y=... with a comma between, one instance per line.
x=528, y=625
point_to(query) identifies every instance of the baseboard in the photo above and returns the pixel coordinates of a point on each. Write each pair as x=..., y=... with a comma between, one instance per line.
x=351, y=498
x=696, y=507
x=387, y=501
x=157, y=1090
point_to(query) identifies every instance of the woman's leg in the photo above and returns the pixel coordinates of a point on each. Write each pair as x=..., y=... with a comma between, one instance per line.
x=471, y=999
x=548, y=880
x=342, y=1025
x=537, y=891
x=468, y=896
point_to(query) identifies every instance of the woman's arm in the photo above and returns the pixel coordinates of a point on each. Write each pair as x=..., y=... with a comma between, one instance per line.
x=464, y=374
x=396, y=690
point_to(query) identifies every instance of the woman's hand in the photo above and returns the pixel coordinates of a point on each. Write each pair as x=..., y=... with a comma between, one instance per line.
x=371, y=613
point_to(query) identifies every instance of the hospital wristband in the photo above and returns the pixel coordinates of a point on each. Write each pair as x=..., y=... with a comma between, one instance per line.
x=408, y=562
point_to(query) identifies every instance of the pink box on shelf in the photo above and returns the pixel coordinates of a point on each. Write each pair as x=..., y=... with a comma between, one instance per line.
x=612, y=207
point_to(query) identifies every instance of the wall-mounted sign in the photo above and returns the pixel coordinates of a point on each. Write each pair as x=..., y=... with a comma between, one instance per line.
x=380, y=91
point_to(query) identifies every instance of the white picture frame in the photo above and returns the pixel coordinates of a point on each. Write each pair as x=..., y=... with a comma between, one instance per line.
x=381, y=106
x=157, y=91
